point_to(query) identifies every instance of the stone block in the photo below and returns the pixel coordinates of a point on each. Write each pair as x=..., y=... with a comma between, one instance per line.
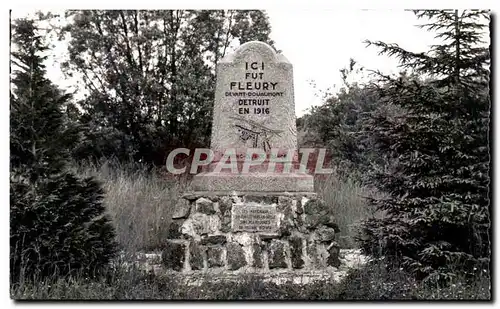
x=257, y=261
x=333, y=255
x=226, y=223
x=299, y=207
x=254, y=218
x=235, y=256
x=196, y=254
x=261, y=199
x=313, y=254
x=315, y=206
x=174, y=229
x=173, y=256
x=325, y=234
x=205, y=206
x=296, y=252
x=286, y=222
x=182, y=209
x=312, y=221
x=215, y=257
x=266, y=182
x=284, y=203
x=203, y=224
x=275, y=75
x=225, y=204
x=267, y=237
x=318, y=213
x=276, y=254
x=214, y=240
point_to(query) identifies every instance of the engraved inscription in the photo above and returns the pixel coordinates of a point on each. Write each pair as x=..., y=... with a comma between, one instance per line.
x=251, y=130
x=254, y=218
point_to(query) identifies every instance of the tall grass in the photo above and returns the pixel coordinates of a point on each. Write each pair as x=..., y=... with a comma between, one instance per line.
x=347, y=198
x=139, y=201
x=376, y=281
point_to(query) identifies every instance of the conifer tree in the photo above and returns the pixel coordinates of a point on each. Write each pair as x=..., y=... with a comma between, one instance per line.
x=57, y=221
x=438, y=206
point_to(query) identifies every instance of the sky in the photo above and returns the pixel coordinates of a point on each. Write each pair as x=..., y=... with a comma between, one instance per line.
x=319, y=43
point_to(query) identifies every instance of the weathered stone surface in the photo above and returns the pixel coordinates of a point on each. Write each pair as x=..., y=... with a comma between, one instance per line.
x=276, y=254
x=266, y=237
x=325, y=234
x=215, y=257
x=265, y=182
x=315, y=206
x=254, y=93
x=203, y=224
x=173, y=255
x=312, y=221
x=299, y=222
x=284, y=203
x=254, y=68
x=213, y=239
x=225, y=204
x=174, y=229
x=214, y=198
x=332, y=223
x=235, y=256
x=261, y=199
x=333, y=257
x=286, y=222
x=190, y=196
x=238, y=196
x=296, y=252
x=318, y=213
x=312, y=253
x=226, y=223
x=205, y=206
x=196, y=253
x=257, y=256
x=300, y=208
x=254, y=218
x=182, y=208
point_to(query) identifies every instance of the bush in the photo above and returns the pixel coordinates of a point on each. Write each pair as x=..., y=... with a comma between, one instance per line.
x=57, y=222
x=57, y=227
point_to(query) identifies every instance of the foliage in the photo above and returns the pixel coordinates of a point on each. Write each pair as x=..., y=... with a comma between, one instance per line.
x=56, y=219
x=373, y=282
x=339, y=125
x=437, y=209
x=150, y=76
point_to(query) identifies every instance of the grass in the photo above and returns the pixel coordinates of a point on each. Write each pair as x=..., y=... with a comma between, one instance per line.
x=141, y=202
x=375, y=281
x=346, y=197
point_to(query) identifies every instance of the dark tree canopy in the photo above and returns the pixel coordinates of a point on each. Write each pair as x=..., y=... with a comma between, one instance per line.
x=438, y=209
x=150, y=75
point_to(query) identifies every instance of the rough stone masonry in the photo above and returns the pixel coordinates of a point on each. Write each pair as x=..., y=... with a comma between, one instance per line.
x=257, y=221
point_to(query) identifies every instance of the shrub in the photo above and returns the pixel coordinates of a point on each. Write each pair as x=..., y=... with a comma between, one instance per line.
x=57, y=222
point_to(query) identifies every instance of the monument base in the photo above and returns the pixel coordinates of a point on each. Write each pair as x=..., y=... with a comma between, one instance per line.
x=263, y=182
x=251, y=232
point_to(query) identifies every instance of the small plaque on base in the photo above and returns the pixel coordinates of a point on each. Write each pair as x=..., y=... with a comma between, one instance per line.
x=254, y=218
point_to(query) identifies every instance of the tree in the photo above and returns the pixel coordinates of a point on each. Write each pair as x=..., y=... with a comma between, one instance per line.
x=150, y=75
x=339, y=124
x=57, y=221
x=438, y=209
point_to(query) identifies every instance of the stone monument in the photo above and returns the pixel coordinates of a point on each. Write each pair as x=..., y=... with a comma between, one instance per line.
x=254, y=108
x=261, y=216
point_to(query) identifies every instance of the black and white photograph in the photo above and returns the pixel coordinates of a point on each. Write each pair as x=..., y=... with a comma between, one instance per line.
x=267, y=154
